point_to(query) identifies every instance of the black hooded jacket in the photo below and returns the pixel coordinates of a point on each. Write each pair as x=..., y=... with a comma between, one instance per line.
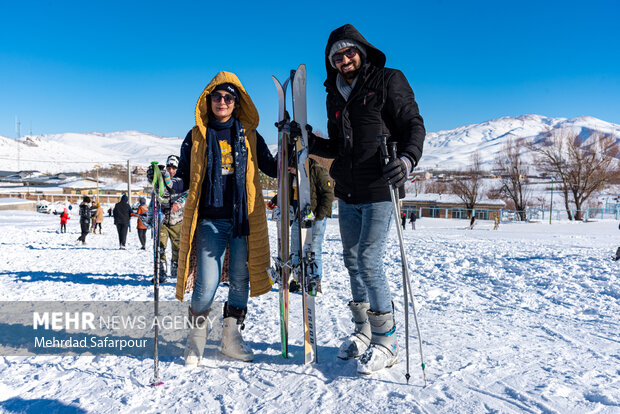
x=122, y=211
x=382, y=102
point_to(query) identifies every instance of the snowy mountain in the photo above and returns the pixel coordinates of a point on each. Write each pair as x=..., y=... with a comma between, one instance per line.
x=78, y=152
x=442, y=150
x=452, y=149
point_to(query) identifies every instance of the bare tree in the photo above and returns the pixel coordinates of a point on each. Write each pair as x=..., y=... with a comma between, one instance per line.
x=583, y=166
x=592, y=166
x=436, y=187
x=467, y=185
x=513, y=171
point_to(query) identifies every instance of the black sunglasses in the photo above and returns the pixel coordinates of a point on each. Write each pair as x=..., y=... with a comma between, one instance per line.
x=217, y=97
x=339, y=57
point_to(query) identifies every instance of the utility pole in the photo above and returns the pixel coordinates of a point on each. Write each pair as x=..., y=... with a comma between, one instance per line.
x=128, y=183
x=551, y=205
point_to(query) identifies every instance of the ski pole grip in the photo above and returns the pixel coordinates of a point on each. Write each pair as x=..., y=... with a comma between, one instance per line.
x=393, y=146
x=384, y=148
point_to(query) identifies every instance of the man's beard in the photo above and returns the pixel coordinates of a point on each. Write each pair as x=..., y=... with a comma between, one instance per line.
x=352, y=74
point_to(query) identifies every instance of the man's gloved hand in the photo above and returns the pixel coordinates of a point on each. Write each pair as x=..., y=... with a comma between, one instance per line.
x=295, y=130
x=395, y=172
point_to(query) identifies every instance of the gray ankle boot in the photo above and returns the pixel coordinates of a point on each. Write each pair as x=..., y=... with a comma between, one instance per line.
x=383, y=349
x=357, y=343
x=233, y=344
x=197, y=337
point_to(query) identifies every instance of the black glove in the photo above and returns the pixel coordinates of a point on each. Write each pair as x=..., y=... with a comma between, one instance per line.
x=395, y=172
x=149, y=172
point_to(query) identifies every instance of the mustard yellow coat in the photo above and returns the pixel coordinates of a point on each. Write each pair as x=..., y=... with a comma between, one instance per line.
x=258, y=240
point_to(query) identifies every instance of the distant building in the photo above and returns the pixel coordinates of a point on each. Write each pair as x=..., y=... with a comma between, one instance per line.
x=86, y=186
x=449, y=206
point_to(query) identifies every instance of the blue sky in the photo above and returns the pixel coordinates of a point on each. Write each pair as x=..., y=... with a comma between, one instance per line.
x=112, y=66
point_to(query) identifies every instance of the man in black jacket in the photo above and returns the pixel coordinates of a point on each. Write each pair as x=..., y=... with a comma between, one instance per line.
x=122, y=214
x=365, y=100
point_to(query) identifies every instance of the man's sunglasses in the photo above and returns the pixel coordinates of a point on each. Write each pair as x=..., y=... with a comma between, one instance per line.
x=217, y=97
x=339, y=57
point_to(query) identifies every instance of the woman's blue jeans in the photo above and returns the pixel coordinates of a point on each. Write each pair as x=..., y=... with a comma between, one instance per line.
x=364, y=229
x=212, y=238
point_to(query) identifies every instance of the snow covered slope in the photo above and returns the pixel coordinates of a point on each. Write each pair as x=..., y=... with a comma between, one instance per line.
x=452, y=149
x=442, y=150
x=506, y=329
x=75, y=152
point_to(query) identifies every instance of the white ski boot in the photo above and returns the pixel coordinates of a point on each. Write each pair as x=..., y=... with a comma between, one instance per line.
x=197, y=337
x=357, y=343
x=233, y=345
x=383, y=349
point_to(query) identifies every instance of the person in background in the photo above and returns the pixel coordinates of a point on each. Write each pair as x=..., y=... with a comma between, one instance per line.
x=93, y=208
x=321, y=199
x=141, y=214
x=122, y=213
x=98, y=219
x=172, y=208
x=472, y=221
x=403, y=220
x=63, y=220
x=412, y=218
x=86, y=214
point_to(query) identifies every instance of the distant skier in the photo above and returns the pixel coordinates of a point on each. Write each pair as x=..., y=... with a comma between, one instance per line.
x=93, y=208
x=220, y=161
x=497, y=221
x=412, y=218
x=617, y=251
x=403, y=220
x=365, y=99
x=86, y=215
x=64, y=216
x=122, y=213
x=472, y=222
x=141, y=214
x=98, y=219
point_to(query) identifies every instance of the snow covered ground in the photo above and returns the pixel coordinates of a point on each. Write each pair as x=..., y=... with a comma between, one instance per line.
x=523, y=319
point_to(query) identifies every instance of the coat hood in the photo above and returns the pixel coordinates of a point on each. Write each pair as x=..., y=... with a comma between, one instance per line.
x=348, y=31
x=246, y=111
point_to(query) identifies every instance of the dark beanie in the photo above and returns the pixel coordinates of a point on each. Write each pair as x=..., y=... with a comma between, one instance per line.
x=228, y=87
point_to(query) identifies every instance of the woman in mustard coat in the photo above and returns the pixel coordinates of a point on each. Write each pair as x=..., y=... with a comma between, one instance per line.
x=219, y=165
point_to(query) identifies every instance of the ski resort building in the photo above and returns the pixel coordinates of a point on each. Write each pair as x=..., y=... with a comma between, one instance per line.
x=450, y=206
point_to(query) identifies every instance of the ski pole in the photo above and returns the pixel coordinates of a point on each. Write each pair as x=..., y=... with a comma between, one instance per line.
x=405, y=268
x=156, y=194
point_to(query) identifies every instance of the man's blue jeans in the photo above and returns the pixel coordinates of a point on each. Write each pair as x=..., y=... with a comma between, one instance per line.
x=364, y=229
x=212, y=237
x=318, y=233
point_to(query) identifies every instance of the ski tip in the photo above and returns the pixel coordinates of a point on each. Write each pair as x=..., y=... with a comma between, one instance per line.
x=156, y=384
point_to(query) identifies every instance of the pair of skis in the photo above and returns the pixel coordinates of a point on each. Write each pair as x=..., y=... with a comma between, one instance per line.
x=305, y=265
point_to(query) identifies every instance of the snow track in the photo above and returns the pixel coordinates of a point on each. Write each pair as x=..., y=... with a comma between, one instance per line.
x=523, y=319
